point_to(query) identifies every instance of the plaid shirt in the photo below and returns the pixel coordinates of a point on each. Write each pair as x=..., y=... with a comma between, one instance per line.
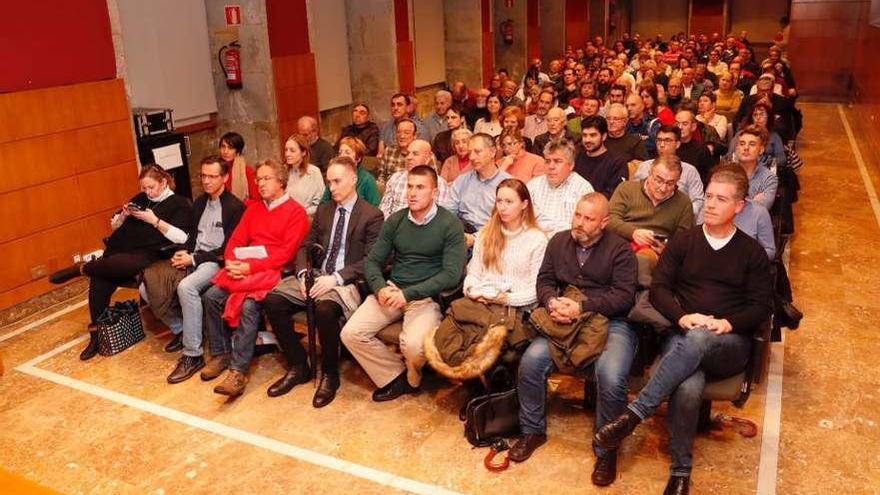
x=393, y=160
x=555, y=205
x=395, y=193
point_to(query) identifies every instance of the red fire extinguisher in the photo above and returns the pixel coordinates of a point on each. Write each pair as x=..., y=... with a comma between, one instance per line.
x=230, y=62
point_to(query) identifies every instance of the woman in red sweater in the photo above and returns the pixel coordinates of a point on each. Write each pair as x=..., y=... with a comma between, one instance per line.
x=272, y=230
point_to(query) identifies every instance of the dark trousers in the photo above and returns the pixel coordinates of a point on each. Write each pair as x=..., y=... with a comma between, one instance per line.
x=109, y=272
x=279, y=311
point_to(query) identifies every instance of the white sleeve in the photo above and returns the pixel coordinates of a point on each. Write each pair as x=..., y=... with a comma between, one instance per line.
x=175, y=235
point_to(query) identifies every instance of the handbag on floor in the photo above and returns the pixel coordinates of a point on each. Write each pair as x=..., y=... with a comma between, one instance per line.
x=119, y=328
x=493, y=416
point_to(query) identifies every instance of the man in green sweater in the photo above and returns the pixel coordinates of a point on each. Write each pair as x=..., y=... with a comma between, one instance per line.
x=425, y=245
x=650, y=211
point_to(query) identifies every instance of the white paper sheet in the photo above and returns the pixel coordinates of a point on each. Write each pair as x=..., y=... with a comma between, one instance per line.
x=168, y=157
x=250, y=252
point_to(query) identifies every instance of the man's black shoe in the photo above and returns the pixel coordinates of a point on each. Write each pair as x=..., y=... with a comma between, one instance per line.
x=526, y=446
x=187, y=366
x=605, y=469
x=677, y=485
x=399, y=386
x=610, y=436
x=326, y=390
x=91, y=350
x=176, y=343
x=295, y=376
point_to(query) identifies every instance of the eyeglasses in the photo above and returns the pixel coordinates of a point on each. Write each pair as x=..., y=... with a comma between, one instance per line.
x=660, y=182
x=260, y=180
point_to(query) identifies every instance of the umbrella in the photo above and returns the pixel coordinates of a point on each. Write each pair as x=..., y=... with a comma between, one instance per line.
x=316, y=251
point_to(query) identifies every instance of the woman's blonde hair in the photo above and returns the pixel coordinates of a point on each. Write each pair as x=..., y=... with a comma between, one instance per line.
x=492, y=239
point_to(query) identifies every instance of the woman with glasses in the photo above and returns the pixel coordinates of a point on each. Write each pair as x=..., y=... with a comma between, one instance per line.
x=460, y=161
x=516, y=161
x=154, y=218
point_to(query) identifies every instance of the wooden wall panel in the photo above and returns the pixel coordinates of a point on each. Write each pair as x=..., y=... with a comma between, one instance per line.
x=576, y=23
x=68, y=162
x=296, y=90
x=488, y=41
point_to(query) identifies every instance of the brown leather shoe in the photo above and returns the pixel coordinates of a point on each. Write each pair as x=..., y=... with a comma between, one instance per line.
x=605, y=470
x=611, y=435
x=678, y=485
x=215, y=367
x=233, y=385
x=525, y=447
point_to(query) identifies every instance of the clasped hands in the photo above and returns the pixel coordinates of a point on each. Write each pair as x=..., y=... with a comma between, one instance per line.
x=321, y=286
x=391, y=296
x=563, y=309
x=709, y=322
x=237, y=270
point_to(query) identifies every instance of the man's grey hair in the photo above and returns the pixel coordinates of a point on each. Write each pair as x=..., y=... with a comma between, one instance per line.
x=564, y=146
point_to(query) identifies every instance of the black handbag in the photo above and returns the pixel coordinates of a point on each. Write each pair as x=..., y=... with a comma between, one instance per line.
x=492, y=417
x=119, y=327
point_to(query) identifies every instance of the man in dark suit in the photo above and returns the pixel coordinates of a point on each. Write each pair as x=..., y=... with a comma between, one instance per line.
x=347, y=227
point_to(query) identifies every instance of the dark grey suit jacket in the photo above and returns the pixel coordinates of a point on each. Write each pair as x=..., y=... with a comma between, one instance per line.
x=363, y=230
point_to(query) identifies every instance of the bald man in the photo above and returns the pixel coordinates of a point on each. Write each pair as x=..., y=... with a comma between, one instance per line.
x=557, y=130
x=417, y=153
x=321, y=151
x=625, y=144
x=601, y=265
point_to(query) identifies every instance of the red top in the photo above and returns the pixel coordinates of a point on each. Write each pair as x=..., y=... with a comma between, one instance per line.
x=666, y=116
x=281, y=230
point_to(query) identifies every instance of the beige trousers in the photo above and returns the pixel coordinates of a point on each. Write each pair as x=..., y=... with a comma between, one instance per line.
x=381, y=363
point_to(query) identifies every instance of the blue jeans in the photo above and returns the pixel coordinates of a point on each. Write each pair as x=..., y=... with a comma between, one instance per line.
x=688, y=359
x=188, y=318
x=612, y=374
x=536, y=365
x=239, y=342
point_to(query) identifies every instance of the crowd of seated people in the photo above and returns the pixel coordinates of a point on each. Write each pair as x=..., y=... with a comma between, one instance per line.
x=647, y=167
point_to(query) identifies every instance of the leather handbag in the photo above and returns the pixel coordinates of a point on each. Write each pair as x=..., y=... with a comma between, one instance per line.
x=119, y=328
x=492, y=417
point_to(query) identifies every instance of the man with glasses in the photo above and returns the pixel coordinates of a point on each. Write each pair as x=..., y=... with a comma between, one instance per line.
x=691, y=150
x=689, y=182
x=216, y=213
x=270, y=232
x=517, y=161
x=650, y=211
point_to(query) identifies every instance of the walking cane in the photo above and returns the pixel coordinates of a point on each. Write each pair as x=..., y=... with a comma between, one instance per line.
x=315, y=252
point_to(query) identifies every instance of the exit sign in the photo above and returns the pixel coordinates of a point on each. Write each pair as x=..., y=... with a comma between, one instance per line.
x=233, y=15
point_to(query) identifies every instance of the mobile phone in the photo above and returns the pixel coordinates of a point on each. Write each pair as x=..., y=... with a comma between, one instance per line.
x=134, y=206
x=661, y=237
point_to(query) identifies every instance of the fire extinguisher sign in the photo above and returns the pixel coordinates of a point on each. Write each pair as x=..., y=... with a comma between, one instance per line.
x=233, y=15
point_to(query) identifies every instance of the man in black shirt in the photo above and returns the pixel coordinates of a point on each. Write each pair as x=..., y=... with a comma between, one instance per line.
x=692, y=151
x=620, y=142
x=363, y=128
x=603, y=169
x=714, y=282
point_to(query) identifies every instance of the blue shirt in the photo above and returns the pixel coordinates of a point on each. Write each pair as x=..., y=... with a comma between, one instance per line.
x=333, y=266
x=472, y=199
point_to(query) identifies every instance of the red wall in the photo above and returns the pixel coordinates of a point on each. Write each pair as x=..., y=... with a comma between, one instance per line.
x=45, y=43
x=576, y=26
x=287, y=22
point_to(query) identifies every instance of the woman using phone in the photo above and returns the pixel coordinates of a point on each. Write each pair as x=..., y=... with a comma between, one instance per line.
x=151, y=220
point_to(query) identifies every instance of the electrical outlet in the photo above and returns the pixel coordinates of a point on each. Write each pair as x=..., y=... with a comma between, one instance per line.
x=93, y=255
x=38, y=271
x=77, y=258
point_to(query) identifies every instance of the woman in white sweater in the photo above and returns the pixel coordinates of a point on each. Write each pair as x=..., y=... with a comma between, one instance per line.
x=508, y=252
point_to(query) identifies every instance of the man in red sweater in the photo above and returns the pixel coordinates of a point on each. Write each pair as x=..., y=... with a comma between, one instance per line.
x=273, y=229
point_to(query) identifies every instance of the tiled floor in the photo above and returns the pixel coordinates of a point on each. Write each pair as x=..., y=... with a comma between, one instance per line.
x=113, y=425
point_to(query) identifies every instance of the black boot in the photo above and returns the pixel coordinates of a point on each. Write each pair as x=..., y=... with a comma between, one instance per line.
x=91, y=350
x=678, y=485
x=66, y=274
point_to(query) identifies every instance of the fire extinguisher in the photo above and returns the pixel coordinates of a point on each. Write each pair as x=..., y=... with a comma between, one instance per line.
x=230, y=61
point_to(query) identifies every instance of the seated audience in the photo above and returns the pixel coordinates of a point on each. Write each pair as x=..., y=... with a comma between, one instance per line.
x=690, y=150
x=727, y=97
x=346, y=228
x=714, y=283
x=641, y=124
x=320, y=150
x=601, y=267
x=629, y=146
x=140, y=229
x=589, y=106
x=275, y=227
x=216, y=213
x=603, y=169
x=708, y=116
x=774, y=150
x=514, y=118
x=305, y=185
x=396, y=195
x=393, y=158
x=536, y=123
x=366, y=184
x=435, y=122
x=516, y=160
x=557, y=130
x=425, y=244
x=460, y=161
x=400, y=111
x=362, y=128
x=472, y=196
x=556, y=193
